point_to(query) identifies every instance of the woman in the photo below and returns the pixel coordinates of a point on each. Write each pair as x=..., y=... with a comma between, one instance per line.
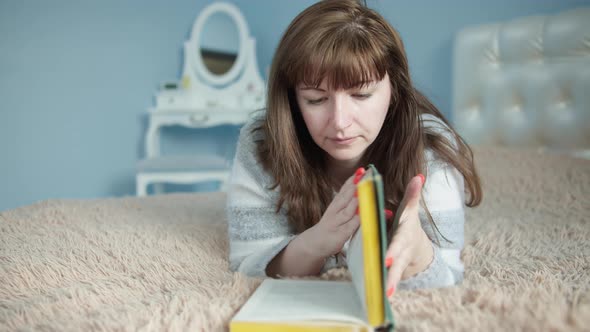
x=340, y=97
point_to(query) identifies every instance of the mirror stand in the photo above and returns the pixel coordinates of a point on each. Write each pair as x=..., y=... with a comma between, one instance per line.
x=202, y=99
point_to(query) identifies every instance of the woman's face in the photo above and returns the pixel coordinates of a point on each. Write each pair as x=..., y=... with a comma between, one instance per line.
x=344, y=122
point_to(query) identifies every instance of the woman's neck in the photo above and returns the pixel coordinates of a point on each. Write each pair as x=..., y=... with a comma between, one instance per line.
x=339, y=171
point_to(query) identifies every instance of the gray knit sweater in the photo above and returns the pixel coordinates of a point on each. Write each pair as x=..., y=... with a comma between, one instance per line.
x=257, y=233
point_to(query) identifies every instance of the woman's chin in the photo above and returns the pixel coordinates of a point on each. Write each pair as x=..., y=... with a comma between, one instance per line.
x=347, y=157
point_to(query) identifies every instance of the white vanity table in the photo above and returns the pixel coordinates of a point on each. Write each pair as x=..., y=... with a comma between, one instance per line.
x=219, y=86
x=190, y=118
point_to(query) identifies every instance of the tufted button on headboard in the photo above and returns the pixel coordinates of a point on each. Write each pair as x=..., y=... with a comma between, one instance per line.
x=525, y=82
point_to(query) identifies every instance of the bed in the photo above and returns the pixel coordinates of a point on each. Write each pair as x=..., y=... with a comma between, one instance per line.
x=160, y=263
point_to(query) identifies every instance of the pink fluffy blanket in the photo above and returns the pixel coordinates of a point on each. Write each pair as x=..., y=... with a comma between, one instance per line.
x=160, y=263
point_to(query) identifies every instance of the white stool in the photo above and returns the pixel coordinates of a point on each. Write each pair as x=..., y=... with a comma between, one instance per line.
x=181, y=170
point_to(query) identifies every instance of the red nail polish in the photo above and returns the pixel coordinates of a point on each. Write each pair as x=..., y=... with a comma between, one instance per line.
x=357, y=211
x=356, y=193
x=388, y=214
x=358, y=175
x=388, y=262
x=359, y=171
x=390, y=291
x=422, y=178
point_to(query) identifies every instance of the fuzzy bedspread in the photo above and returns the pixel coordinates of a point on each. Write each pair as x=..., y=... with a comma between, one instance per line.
x=160, y=263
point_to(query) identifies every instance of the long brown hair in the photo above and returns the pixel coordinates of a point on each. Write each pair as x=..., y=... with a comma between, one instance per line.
x=345, y=43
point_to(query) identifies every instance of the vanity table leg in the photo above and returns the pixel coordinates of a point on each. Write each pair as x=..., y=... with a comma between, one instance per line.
x=141, y=186
x=152, y=148
x=152, y=140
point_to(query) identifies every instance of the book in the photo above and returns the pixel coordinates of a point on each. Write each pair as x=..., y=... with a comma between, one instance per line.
x=319, y=305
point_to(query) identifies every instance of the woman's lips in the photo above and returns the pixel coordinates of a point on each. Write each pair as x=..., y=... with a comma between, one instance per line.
x=343, y=141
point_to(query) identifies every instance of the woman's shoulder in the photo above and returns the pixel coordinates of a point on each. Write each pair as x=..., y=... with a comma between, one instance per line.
x=433, y=125
x=251, y=131
x=247, y=153
x=251, y=134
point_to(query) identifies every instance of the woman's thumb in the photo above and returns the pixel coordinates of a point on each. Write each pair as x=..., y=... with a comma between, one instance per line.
x=415, y=190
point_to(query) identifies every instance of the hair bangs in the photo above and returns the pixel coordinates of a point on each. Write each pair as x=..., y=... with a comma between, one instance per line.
x=343, y=61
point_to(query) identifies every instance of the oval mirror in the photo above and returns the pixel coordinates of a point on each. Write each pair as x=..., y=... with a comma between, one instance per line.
x=220, y=43
x=219, y=40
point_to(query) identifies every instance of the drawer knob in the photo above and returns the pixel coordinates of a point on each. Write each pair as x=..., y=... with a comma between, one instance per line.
x=199, y=119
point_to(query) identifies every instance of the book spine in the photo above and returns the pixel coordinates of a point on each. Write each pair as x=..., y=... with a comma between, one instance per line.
x=371, y=252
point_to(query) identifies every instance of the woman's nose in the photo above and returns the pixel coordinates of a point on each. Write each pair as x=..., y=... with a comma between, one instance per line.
x=341, y=113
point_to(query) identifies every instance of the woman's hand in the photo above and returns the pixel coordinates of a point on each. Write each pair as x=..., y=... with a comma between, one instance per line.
x=410, y=251
x=339, y=222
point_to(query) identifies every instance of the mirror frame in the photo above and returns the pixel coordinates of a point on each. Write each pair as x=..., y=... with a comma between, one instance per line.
x=195, y=43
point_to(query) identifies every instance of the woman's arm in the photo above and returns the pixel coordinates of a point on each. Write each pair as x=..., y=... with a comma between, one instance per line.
x=297, y=259
x=443, y=194
x=257, y=233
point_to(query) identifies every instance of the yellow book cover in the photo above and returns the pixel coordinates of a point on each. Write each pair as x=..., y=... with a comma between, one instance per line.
x=318, y=305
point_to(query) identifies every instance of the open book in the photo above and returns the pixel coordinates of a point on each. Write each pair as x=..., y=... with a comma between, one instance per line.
x=316, y=305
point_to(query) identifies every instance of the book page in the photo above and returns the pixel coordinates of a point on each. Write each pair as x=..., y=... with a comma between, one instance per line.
x=303, y=300
x=355, y=262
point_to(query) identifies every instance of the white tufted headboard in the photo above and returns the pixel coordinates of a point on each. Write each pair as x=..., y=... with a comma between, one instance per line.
x=525, y=82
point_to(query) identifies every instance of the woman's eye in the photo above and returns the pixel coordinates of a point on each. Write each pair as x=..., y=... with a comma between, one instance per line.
x=315, y=101
x=361, y=96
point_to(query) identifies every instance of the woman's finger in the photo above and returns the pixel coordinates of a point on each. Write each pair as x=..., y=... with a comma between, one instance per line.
x=349, y=211
x=411, y=200
x=350, y=183
x=395, y=248
x=344, y=196
x=413, y=192
x=358, y=175
x=352, y=225
x=395, y=262
x=388, y=214
x=400, y=263
x=346, y=199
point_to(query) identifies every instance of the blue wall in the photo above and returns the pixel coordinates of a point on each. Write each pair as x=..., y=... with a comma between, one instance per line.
x=77, y=76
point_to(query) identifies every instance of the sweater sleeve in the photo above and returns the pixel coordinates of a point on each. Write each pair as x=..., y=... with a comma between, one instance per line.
x=257, y=233
x=444, y=195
